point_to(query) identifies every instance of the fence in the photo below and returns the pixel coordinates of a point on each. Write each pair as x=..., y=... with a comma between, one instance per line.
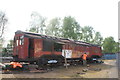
x=109, y=56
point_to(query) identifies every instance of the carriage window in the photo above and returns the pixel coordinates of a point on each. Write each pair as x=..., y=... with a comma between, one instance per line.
x=58, y=47
x=47, y=45
x=17, y=42
x=21, y=40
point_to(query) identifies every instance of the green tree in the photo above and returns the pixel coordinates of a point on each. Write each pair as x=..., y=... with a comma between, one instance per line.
x=54, y=27
x=116, y=47
x=109, y=45
x=4, y=50
x=33, y=29
x=38, y=23
x=7, y=51
x=87, y=34
x=10, y=46
x=71, y=28
x=98, y=39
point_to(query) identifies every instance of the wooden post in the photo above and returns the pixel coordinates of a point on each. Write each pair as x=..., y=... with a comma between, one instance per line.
x=65, y=59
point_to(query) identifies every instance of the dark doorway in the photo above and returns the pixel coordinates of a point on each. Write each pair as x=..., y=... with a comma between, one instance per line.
x=31, y=48
x=58, y=47
x=47, y=45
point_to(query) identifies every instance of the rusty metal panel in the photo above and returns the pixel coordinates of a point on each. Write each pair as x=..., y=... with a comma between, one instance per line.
x=37, y=47
x=25, y=53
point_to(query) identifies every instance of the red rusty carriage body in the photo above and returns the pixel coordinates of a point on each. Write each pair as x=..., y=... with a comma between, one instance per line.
x=32, y=47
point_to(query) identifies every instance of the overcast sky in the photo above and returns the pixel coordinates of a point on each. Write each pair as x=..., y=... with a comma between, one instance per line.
x=102, y=15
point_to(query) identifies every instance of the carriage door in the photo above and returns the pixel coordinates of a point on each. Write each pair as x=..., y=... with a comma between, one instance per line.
x=21, y=48
x=31, y=48
x=18, y=46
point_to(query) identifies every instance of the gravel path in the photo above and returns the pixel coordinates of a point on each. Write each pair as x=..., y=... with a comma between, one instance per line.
x=110, y=72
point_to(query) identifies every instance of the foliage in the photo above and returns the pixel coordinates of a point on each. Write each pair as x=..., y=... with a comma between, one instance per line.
x=67, y=28
x=87, y=34
x=10, y=46
x=91, y=36
x=54, y=27
x=3, y=22
x=33, y=29
x=7, y=51
x=98, y=39
x=109, y=45
x=4, y=50
x=70, y=28
x=116, y=47
x=38, y=23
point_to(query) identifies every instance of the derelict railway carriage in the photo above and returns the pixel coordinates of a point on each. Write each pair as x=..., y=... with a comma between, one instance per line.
x=42, y=49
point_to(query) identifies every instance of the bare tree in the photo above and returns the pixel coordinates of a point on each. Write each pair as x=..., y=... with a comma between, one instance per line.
x=3, y=21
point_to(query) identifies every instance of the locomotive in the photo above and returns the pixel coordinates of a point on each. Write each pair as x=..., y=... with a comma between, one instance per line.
x=43, y=49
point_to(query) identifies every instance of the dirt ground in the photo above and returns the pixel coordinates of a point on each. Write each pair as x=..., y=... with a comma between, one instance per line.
x=108, y=69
